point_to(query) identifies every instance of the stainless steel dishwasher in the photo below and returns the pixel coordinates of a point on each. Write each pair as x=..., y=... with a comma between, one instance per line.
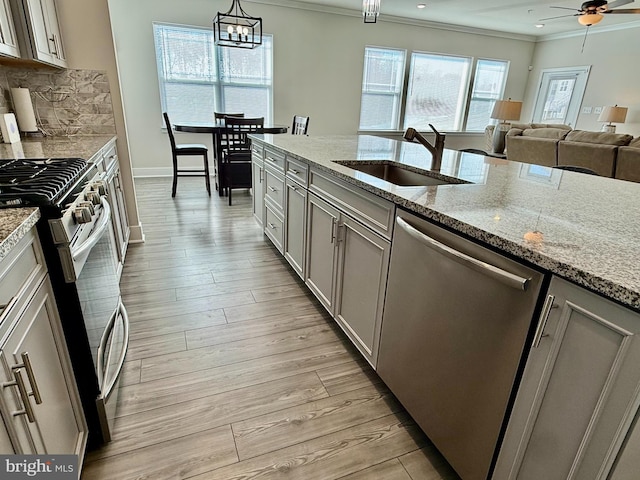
x=455, y=324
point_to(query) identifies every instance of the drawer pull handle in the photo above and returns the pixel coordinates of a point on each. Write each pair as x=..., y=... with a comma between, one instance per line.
x=6, y=308
x=542, y=323
x=295, y=189
x=295, y=172
x=272, y=226
x=24, y=396
x=271, y=159
x=272, y=189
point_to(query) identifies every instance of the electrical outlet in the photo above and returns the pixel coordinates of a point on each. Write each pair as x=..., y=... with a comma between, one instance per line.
x=597, y=110
x=587, y=109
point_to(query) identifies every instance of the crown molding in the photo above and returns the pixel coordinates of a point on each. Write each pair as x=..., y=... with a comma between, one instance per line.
x=393, y=19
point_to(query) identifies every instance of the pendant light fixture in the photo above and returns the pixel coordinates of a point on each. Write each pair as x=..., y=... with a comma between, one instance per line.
x=370, y=10
x=235, y=28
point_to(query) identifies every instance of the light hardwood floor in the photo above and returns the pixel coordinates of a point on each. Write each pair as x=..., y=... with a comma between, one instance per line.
x=235, y=371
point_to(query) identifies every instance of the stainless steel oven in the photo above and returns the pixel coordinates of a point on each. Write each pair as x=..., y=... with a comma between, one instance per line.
x=78, y=242
x=88, y=254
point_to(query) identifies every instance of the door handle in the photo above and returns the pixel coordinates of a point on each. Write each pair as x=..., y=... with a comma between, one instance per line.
x=24, y=396
x=26, y=364
x=542, y=322
x=95, y=236
x=508, y=278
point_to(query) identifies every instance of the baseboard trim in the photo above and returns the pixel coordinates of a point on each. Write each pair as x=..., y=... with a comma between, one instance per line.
x=153, y=172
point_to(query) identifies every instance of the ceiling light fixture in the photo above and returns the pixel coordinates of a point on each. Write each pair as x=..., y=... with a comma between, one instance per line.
x=589, y=19
x=235, y=28
x=370, y=10
x=539, y=25
x=422, y=5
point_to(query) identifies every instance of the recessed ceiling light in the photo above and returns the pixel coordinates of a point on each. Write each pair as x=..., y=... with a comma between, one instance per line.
x=539, y=25
x=422, y=5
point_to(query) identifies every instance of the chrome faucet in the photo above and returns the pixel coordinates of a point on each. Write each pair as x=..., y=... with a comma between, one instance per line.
x=436, y=150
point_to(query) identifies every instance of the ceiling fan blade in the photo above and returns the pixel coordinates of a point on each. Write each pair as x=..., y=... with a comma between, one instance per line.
x=618, y=3
x=561, y=16
x=624, y=10
x=567, y=8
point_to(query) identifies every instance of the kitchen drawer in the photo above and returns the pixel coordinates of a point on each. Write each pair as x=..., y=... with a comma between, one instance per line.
x=274, y=187
x=275, y=159
x=257, y=151
x=20, y=270
x=110, y=155
x=375, y=212
x=274, y=226
x=297, y=171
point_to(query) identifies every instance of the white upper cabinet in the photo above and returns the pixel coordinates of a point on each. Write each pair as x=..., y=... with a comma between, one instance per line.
x=38, y=31
x=8, y=39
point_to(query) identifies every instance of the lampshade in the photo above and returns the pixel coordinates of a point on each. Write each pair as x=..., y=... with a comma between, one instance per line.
x=235, y=28
x=589, y=19
x=613, y=114
x=370, y=10
x=506, y=110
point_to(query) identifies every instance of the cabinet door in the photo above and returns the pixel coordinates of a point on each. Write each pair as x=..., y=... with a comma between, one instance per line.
x=55, y=37
x=321, y=252
x=8, y=41
x=361, y=283
x=295, y=225
x=579, y=392
x=123, y=218
x=258, y=190
x=58, y=425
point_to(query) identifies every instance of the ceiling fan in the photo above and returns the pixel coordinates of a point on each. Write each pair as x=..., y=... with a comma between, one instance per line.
x=593, y=11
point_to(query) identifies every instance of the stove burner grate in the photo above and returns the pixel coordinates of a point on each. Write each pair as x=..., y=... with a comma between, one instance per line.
x=37, y=182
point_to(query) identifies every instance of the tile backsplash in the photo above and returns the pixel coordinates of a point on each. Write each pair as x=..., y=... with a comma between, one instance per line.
x=65, y=102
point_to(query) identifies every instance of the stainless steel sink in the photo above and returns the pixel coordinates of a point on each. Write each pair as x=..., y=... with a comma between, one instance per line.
x=397, y=174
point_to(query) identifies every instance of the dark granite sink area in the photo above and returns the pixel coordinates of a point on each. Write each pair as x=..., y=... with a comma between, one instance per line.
x=399, y=174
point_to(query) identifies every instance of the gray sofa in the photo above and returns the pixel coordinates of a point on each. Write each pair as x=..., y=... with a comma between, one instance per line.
x=608, y=154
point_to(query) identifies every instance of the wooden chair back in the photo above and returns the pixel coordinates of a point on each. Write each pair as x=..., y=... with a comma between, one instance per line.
x=169, y=131
x=300, y=125
x=219, y=117
x=234, y=135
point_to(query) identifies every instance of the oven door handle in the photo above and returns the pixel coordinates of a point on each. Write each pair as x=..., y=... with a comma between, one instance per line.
x=96, y=234
x=106, y=389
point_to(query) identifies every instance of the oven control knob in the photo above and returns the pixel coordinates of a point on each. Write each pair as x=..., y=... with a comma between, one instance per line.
x=100, y=187
x=88, y=205
x=93, y=197
x=82, y=214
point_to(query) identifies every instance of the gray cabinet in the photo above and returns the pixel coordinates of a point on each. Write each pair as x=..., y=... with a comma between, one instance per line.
x=346, y=268
x=119, y=219
x=321, y=253
x=8, y=39
x=257, y=183
x=39, y=402
x=295, y=225
x=579, y=392
x=38, y=31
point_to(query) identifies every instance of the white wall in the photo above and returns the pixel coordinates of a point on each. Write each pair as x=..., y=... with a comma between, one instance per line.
x=615, y=61
x=88, y=42
x=318, y=61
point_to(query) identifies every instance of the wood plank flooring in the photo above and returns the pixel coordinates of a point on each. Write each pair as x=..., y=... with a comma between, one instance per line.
x=235, y=371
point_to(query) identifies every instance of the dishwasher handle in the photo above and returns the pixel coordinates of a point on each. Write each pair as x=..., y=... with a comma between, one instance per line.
x=508, y=278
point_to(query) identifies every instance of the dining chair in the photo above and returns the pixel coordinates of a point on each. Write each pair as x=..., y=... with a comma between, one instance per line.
x=300, y=125
x=219, y=119
x=187, y=149
x=235, y=158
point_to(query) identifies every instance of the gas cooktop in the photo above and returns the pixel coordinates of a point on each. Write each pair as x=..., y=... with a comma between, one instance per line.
x=39, y=181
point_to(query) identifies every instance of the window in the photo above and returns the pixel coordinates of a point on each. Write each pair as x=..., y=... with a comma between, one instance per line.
x=197, y=78
x=441, y=91
x=381, y=88
x=437, y=91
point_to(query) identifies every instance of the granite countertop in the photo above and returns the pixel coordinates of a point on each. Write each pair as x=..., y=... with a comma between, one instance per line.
x=587, y=228
x=14, y=224
x=55, y=147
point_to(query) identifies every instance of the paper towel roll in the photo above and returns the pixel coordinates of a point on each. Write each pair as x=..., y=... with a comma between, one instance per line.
x=24, y=110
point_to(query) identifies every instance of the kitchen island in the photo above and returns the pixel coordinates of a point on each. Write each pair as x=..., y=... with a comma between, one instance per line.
x=560, y=375
x=586, y=227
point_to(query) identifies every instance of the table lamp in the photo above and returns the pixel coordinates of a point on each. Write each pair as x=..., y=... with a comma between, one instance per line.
x=613, y=114
x=504, y=110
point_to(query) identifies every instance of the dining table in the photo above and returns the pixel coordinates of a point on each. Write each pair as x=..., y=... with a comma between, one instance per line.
x=214, y=130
